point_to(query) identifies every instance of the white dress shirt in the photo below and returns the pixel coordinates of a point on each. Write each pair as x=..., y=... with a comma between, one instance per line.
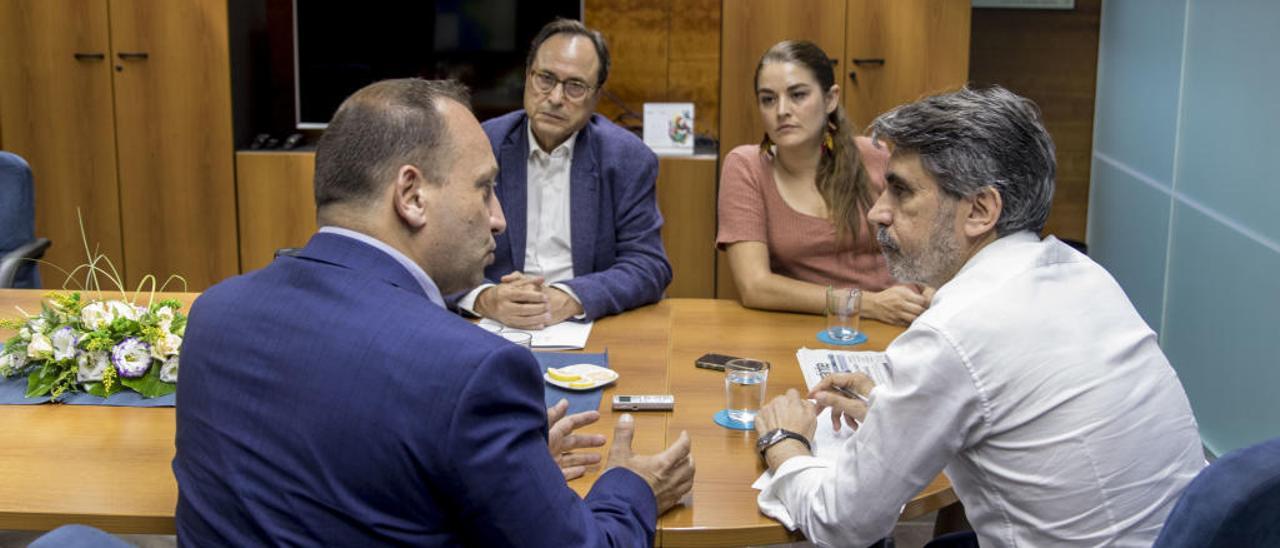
x=1037, y=387
x=548, y=250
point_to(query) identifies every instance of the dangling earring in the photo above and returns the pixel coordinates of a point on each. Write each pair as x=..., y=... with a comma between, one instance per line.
x=766, y=144
x=828, y=138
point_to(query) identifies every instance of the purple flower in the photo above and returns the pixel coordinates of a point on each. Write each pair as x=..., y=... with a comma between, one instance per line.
x=132, y=358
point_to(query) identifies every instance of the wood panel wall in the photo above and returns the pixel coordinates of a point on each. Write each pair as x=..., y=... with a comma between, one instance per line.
x=663, y=50
x=1051, y=57
x=275, y=194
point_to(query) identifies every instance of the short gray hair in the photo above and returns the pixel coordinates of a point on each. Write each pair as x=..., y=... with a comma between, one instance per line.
x=974, y=138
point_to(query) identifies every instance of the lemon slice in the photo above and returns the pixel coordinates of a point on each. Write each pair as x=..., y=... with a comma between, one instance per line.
x=563, y=377
x=582, y=384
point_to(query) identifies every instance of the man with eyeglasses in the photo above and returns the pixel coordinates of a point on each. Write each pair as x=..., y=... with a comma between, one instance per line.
x=583, y=225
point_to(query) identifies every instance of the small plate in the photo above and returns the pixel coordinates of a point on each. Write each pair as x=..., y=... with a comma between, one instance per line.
x=593, y=376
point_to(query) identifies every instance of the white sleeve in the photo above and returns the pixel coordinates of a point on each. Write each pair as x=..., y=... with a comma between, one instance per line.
x=468, y=302
x=923, y=415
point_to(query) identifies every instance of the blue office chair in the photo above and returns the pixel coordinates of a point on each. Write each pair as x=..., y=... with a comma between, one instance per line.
x=19, y=246
x=1235, y=502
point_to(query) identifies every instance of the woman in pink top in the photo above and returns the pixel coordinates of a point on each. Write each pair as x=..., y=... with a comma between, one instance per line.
x=793, y=210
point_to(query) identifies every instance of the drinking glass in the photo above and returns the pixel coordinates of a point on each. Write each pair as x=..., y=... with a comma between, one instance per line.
x=519, y=338
x=844, y=310
x=744, y=387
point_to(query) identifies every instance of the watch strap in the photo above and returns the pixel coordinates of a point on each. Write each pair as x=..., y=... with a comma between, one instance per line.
x=776, y=436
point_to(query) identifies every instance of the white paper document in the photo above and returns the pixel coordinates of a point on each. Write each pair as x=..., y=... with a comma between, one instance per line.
x=816, y=364
x=561, y=336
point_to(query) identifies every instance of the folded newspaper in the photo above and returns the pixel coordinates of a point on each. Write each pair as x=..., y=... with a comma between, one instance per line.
x=817, y=364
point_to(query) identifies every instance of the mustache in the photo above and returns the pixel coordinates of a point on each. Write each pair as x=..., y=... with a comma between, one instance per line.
x=886, y=242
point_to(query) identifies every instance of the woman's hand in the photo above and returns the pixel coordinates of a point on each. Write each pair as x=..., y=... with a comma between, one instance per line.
x=898, y=305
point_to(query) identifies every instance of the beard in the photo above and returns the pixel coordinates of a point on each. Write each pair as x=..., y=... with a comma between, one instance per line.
x=929, y=265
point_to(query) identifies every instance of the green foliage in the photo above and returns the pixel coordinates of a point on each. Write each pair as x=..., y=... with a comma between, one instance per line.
x=150, y=385
x=101, y=390
x=13, y=324
x=47, y=377
x=40, y=382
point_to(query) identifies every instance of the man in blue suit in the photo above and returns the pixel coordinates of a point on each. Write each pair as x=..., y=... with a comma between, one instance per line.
x=584, y=238
x=331, y=399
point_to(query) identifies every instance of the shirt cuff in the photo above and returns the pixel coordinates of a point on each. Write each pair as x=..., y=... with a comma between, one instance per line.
x=468, y=302
x=785, y=486
x=569, y=291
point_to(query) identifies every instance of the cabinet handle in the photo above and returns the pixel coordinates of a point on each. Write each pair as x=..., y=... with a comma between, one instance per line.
x=89, y=56
x=869, y=61
x=132, y=55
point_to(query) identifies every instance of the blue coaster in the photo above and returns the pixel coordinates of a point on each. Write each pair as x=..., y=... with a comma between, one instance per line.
x=857, y=339
x=722, y=419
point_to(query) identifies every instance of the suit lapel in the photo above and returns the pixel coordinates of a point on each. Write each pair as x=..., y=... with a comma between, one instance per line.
x=584, y=187
x=513, y=190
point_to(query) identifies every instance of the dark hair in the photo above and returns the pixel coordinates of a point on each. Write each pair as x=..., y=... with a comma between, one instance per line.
x=572, y=26
x=842, y=180
x=380, y=128
x=974, y=138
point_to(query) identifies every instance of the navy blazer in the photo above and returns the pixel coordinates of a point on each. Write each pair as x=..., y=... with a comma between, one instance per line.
x=619, y=262
x=326, y=401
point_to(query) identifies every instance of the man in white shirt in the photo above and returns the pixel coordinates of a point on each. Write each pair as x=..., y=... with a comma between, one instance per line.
x=1031, y=380
x=584, y=233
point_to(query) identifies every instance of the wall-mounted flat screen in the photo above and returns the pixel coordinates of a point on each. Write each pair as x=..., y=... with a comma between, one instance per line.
x=340, y=47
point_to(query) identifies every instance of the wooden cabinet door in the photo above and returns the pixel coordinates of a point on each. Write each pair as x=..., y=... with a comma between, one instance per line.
x=56, y=102
x=899, y=50
x=173, y=125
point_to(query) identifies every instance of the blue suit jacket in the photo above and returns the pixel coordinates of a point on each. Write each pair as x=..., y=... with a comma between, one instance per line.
x=618, y=259
x=326, y=401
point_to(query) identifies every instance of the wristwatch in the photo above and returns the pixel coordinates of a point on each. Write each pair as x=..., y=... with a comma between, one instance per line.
x=773, y=437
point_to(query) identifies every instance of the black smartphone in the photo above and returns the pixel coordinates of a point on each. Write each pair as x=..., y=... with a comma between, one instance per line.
x=713, y=361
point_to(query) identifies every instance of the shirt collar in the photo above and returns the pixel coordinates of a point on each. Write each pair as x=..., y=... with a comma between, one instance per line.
x=425, y=281
x=536, y=151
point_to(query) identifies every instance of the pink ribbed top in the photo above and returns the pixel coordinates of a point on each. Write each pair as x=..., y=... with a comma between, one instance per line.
x=801, y=246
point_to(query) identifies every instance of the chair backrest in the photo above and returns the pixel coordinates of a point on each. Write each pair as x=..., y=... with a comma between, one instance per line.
x=17, y=213
x=1234, y=502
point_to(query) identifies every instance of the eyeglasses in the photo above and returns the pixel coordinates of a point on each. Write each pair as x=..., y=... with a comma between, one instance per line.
x=544, y=82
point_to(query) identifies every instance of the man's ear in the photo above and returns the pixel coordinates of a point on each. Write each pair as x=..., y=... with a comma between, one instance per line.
x=984, y=212
x=411, y=194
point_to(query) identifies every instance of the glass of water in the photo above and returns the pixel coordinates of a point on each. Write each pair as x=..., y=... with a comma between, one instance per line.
x=519, y=338
x=744, y=386
x=844, y=310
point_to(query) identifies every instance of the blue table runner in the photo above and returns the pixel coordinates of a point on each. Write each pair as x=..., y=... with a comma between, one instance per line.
x=12, y=390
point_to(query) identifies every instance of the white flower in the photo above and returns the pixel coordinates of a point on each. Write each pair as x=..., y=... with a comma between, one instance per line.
x=24, y=334
x=132, y=358
x=38, y=325
x=98, y=315
x=169, y=371
x=95, y=316
x=166, y=346
x=165, y=315
x=12, y=362
x=40, y=348
x=91, y=366
x=64, y=343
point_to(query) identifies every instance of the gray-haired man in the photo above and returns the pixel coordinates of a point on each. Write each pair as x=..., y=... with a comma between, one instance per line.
x=1031, y=380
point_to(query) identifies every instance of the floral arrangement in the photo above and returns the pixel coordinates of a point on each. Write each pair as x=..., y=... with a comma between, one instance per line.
x=100, y=347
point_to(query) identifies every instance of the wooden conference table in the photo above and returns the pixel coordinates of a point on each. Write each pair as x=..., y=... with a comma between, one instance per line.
x=110, y=466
